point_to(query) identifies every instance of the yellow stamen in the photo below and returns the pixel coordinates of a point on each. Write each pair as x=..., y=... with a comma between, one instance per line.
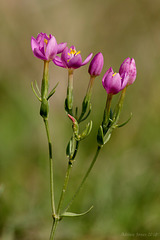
x=114, y=74
x=78, y=53
x=46, y=41
x=73, y=51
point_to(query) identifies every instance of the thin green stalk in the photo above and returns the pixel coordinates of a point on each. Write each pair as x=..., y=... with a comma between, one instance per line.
x=51, y=168
x=107, y=110
x=53, y=230
x=87, y=98
x=64, y=187
x=44, y=86
x=119, y=105
x=84, y=178
x=70, y=91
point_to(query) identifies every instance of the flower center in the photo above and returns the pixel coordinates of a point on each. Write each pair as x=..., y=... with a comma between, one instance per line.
x=72, y=53
x=46, y=41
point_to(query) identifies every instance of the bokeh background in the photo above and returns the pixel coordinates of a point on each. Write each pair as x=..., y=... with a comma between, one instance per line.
x=124, y=186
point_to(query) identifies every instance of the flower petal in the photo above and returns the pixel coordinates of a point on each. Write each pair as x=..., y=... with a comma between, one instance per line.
x=61, y=47
x=39, y=54
x=87, y=59
x=125, y=78
x=57, y=61
x=34, y=43
x=64, y=57
x=105, y=75
x=75, y=62
x=51, y=49
x=115, y=84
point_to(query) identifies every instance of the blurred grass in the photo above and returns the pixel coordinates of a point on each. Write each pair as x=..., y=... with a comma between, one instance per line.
x=124, y=185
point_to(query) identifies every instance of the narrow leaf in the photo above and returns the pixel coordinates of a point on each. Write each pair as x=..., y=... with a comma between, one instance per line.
x=123, y=124
x=87, y=131
x=70, y=214
x=100, y=137
x=37, y=88
x=90, y=108
x=52, y=91
x=34, y=91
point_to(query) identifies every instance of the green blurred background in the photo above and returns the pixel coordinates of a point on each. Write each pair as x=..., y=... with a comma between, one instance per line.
x=124, y=186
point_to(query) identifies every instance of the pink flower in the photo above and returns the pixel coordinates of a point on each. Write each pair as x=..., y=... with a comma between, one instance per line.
x=114, y=82
x=129, y=67
x=96, y=65
x=45, y=47
x=70, y=58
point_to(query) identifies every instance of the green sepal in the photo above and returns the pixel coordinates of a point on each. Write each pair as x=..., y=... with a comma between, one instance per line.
x=34, y=91
x=71, y=148
x=44, y=109
x=76, y=112
x=66, y=106
x=69, y=99
x=52, y=91
x=87, y=131
x=67, y=109
x=100, y=136
x=107, y=136
x=123, y=124
x=85, y=104
x=89, y=111
x=70, y=214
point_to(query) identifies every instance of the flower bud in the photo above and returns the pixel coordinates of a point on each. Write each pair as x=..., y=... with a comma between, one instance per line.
x=129, y=67
x=96, y=65
x=113, y=82
x=44, y=109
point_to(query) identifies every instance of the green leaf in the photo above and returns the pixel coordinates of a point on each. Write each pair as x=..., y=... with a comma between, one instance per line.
x=123, y=124
x=34, y=91
x=87, y=131
x=71, y=147
x=107, y=137
x=100, y=137
x=52, y=91
x=90, y=108
x=70, y=214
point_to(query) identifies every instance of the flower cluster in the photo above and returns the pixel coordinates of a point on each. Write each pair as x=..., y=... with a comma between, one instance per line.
x=115, y=82
x=46, y=48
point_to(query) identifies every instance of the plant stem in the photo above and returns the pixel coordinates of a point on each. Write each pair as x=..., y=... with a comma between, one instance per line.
x=107, y=110
x=53, y=230
x=64, y=186
x=120, y=104
x=44, y=86
x=51, y=168
x=84, y=178
x=70, y=91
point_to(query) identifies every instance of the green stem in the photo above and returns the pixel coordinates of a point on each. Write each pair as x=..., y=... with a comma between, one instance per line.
x=44, y=86
x=53, y=230
x=70, y=91
x=51, y=168
x=64, y=187
x=119, y=105
x=87, y=98
x=84, y=178
x=107, y=110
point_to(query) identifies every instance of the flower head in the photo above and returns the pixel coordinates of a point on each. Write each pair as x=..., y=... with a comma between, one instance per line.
x=45, y=47
x=114, y=82
x=129, y=67
x=70, y=58
x=96, y=65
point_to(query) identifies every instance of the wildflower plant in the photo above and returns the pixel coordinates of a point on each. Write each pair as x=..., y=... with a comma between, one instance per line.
x=45, y=47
